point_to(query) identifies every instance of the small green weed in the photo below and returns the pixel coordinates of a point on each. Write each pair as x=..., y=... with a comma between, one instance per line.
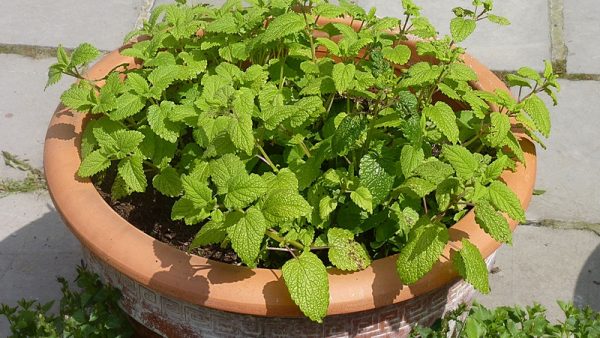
x=33, y=182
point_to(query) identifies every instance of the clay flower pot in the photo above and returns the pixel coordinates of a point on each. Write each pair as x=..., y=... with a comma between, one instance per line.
x=181, y=295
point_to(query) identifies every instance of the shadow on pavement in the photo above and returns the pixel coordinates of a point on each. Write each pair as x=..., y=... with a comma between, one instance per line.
x=587, y=289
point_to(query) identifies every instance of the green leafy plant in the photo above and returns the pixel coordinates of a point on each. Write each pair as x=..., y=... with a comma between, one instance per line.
x=89, y=311
x=512, y=321
x=304, y=143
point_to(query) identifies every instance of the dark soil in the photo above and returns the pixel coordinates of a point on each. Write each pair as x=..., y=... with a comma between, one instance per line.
x=151, y=212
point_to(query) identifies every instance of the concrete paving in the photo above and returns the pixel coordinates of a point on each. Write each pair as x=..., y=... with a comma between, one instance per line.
x=544, y=263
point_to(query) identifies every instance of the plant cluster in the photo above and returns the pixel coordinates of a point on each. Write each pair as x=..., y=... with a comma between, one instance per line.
x=303, y=142
x=34, y=181
x=513, y=322
x=92, y=311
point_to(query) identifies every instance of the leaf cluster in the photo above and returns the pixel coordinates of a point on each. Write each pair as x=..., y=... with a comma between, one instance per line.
x=91, y=311
x=305, y=143
x=513, y=321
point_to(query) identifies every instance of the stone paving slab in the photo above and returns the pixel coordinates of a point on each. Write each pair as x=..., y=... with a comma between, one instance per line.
x=544, y=265
x=569, y=170
x=581, y=34
x=35, y=248
x=68, y=22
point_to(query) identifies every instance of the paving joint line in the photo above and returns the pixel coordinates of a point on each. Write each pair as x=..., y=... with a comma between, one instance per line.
x=145, y=12
x=558, y=47
x=33, y=51
x=565, y=225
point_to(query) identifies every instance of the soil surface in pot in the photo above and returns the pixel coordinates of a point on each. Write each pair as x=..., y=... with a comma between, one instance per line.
x=151, y=213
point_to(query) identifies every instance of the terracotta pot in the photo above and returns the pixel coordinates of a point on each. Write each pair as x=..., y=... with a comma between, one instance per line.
x=180, y=295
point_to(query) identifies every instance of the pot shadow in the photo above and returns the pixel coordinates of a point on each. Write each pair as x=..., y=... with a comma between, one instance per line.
x=587, y=288
x=32, y=256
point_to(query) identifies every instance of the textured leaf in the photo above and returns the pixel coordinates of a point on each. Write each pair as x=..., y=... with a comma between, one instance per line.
x=127, y=105
x=500, y=126
x=344, y=252
x=331, y=46
x=498, y=19
x=346, y=134
x=137, y=83
x=423, y=249
x=246, y=236
x=363, y=198
x=54, y=74
x=419, y=186
x=212, y=232
x=197, y=191
x=492, y=222
x=283, y=25
x=343, y=74
x=444, y=118
x=461, y=28
x=434, y=171
x=376, y=176
x=93, y=163
x=223, y=24
x=461, y=159
x=84, y=54
x=420, y=73
x=494, y=169
x=185, y=209
x=471, y=266
x=78, y=98
x=132, y=172
x=167, y=182
x=506, y=200
x=307, y=281
x=410, y=158
x=514, y=145
x=223, y=169
x=158, y=119
x=326, y=206
x=162, y=77
x=398, y=55
x=537, y=110
x=284, y=205
x=244, y=189
x=240, y=131
x=461, y=72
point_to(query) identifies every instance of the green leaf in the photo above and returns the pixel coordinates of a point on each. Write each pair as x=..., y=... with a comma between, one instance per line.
x=433, y=170
x=410, y=158
x=167, y=182
x=54, y=74
x=425, y=245
x=506, y=200
x=93, y=163
x=444, y=118
x=244, y=189
x=398, y=55
x=197, y=191
x=461, y=72
x=344, y=252
x=223, y=24
x=185, y=209
x=363, y=198
x=137, y=83
x=127, y=105
x=494, y=169
x=223, y=169
x=132, y=172
x=162, y=77
x=78, y=97
x=240, y=131
x=282, y=26
x=343, y=74
x=84, y=54
x=514, y=145
x=461, y=28
x=307, y=281
x=345, y=136
x=498, y=19
x=376, y=176
x=158, y=119
x=331, y=46
x=284, y=205
x=492, y=222
x=499, y=128
x=326, y=206
x=471, y=266
x=536, y=108
x=461, y=159
x=212, y=232
x=246, y=236
x=419, y=186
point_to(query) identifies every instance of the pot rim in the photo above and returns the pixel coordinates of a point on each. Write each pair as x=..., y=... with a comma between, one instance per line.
x=226, y=287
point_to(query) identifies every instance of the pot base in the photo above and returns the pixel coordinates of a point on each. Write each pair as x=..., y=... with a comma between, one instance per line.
x=170, y=317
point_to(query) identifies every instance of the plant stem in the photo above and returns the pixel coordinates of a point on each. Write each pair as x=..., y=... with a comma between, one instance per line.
x=266, y=158
x=275, y=235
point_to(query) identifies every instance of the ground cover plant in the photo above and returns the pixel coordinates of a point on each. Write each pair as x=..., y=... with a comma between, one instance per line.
x=303, y=143
x=89, y=310
x=513, y=321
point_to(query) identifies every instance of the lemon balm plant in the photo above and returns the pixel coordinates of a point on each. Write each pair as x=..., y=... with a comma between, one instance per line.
x=303, y=145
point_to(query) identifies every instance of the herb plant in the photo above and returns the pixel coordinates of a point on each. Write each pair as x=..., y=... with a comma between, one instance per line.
x=305, y=143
